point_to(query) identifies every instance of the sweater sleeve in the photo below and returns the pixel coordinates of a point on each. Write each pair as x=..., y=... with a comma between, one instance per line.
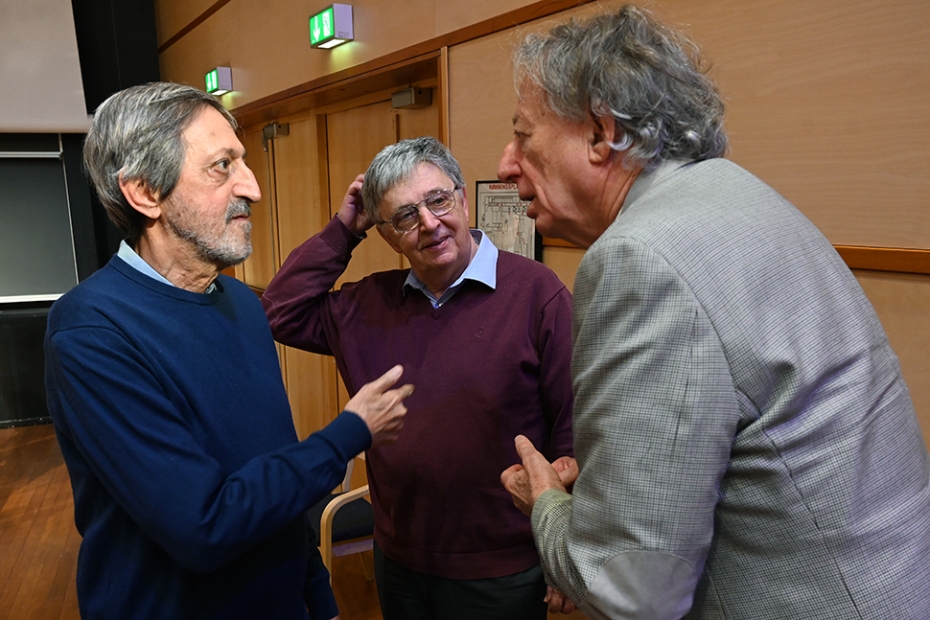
x=298, y=300
x=136, y=449
x=555, y=374
x=318, y=593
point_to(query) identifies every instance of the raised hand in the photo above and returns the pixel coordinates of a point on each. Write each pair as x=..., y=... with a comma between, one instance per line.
x=352, y=210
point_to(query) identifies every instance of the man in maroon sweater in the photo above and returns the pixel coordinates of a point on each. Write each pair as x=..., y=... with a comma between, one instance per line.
x=485, y=335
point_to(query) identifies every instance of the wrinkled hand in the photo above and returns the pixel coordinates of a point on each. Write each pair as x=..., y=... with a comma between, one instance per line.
x=382, y=408
x=567, y=469
x=557, y=602
x=527, y=481
x=352, y=210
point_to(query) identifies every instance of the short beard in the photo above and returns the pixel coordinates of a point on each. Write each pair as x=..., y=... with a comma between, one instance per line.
x=221, y=253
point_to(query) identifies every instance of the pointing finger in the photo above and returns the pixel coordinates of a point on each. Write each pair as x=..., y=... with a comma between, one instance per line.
x=388, y=379
x=525, y=448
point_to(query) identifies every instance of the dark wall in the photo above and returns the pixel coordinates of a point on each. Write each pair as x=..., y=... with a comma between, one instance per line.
x=118, y=48
x=117, y=45
x=22, y=385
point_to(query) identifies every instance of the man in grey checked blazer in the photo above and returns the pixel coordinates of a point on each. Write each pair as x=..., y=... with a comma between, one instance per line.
x=746, y=446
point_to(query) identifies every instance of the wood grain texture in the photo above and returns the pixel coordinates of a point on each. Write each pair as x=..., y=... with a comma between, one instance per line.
x=354, y=137
x=825, y=102
x=181, y=18
x=901, y=302
x=258, y=269
x=267, y=44
x=898, y=260
x=38, y=539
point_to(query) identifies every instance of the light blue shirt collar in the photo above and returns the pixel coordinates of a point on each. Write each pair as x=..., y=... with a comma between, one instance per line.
x=482, y=268
x=136, y=262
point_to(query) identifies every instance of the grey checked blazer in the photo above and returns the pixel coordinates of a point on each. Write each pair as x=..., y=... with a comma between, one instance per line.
x=748, y=448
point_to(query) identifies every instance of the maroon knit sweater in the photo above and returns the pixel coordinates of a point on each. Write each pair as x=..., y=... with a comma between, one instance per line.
x=487, y=365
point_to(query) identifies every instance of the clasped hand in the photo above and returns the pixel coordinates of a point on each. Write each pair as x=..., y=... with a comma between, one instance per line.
x=527, y=480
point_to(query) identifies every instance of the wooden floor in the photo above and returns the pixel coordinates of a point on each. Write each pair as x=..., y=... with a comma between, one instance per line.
x=39, y=543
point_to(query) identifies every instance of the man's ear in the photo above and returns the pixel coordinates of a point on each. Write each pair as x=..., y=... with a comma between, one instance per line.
x=389, y=237
x=140, y=197
x=601, y=131
x=465, y=205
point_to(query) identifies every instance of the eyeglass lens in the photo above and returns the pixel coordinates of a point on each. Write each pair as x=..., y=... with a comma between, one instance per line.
x=407, y=218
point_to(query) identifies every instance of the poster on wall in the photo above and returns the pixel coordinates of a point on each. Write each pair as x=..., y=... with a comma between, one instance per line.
x=502, y=216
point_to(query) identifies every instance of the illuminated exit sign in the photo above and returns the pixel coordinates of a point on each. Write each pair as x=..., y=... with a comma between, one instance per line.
x=219, y=81
x=331, y=26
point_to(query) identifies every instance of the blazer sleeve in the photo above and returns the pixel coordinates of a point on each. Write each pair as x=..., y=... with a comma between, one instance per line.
x=655, y=415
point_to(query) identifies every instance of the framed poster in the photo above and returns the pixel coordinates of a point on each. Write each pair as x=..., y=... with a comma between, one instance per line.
x=501, y=214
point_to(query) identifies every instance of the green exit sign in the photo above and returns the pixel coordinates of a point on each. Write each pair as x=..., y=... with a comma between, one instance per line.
x=331, y=26
x=219, y=81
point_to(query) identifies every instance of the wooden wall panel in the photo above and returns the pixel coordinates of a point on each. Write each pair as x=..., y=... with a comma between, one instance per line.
x=419, y=121
x=564, y=262
x=172, y=16
x=267, y=44
x=302, y=211
x=354, y=137
x=837, y=126
x=258, y=269
x=827, y=103
x=901, y=302
x=481, y=104
x=825, y=100
x=455, y=15
x=311, y=389
x=300, y=166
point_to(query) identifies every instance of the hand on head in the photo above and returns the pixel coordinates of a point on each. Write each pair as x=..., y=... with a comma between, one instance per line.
x=352, y=210
x=381, y=407
x=535, y=475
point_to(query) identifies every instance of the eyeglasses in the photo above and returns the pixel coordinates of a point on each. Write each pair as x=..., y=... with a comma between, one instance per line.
x=407, y=218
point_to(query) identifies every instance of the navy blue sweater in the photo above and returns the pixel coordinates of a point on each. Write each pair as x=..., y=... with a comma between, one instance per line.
x=189, y=483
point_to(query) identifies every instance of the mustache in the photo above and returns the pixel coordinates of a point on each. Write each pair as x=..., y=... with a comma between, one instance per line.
x=238, y=207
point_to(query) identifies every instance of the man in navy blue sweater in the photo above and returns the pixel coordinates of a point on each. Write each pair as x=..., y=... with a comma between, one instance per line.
x=190, y=485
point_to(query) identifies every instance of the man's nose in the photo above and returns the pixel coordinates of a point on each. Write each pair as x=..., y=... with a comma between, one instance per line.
x=247, y=186
x=508, y=168
x=427, y=219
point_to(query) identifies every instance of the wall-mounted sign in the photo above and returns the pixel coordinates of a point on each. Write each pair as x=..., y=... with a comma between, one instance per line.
x=331, y=27
x=219, y=81
x=502, y=216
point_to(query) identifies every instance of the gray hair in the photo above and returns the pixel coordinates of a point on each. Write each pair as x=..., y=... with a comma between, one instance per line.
x=628, y=67
x=396, y=162
x=136, y=134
